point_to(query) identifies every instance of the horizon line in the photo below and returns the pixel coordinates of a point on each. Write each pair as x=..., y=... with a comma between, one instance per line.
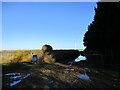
x=41, y=49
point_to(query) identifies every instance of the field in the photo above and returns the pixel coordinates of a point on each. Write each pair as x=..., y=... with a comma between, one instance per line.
x=11, y=56
x=20, y=72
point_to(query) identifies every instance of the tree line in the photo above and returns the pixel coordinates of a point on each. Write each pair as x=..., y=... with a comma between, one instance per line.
x=102, y=38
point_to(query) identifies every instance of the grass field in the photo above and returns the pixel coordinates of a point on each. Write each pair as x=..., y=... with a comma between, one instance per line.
x=19, y=72
x=11, y=56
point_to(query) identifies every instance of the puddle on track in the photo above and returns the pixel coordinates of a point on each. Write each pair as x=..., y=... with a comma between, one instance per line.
x=70, y=63
x=15, y=78
x=80, y=58
x=68, y=69
x=12, y=74
x=83, y=76
x=14, y=83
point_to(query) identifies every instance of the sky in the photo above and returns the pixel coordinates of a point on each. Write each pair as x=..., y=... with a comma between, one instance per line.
x=30, y=25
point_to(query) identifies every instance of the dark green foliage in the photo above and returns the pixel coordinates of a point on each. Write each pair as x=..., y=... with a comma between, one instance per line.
x=102, y=37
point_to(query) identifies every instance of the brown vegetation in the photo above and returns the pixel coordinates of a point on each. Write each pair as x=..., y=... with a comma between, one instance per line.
x=60, y=55
x=47, y=48
x=11, y=56
x=47, y=54
x=49, y=57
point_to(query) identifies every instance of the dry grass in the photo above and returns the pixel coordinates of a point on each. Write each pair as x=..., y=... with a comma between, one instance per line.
x=11, y=56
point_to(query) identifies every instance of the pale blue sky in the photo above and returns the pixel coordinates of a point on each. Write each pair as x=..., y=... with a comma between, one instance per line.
x=29, y=25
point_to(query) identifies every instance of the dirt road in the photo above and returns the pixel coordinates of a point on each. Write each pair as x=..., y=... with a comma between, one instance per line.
x=58, y=75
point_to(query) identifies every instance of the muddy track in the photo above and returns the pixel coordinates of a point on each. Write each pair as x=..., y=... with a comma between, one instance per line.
x=59, y=75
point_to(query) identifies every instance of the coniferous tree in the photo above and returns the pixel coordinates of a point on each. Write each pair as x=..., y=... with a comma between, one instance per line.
x=103, y=34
